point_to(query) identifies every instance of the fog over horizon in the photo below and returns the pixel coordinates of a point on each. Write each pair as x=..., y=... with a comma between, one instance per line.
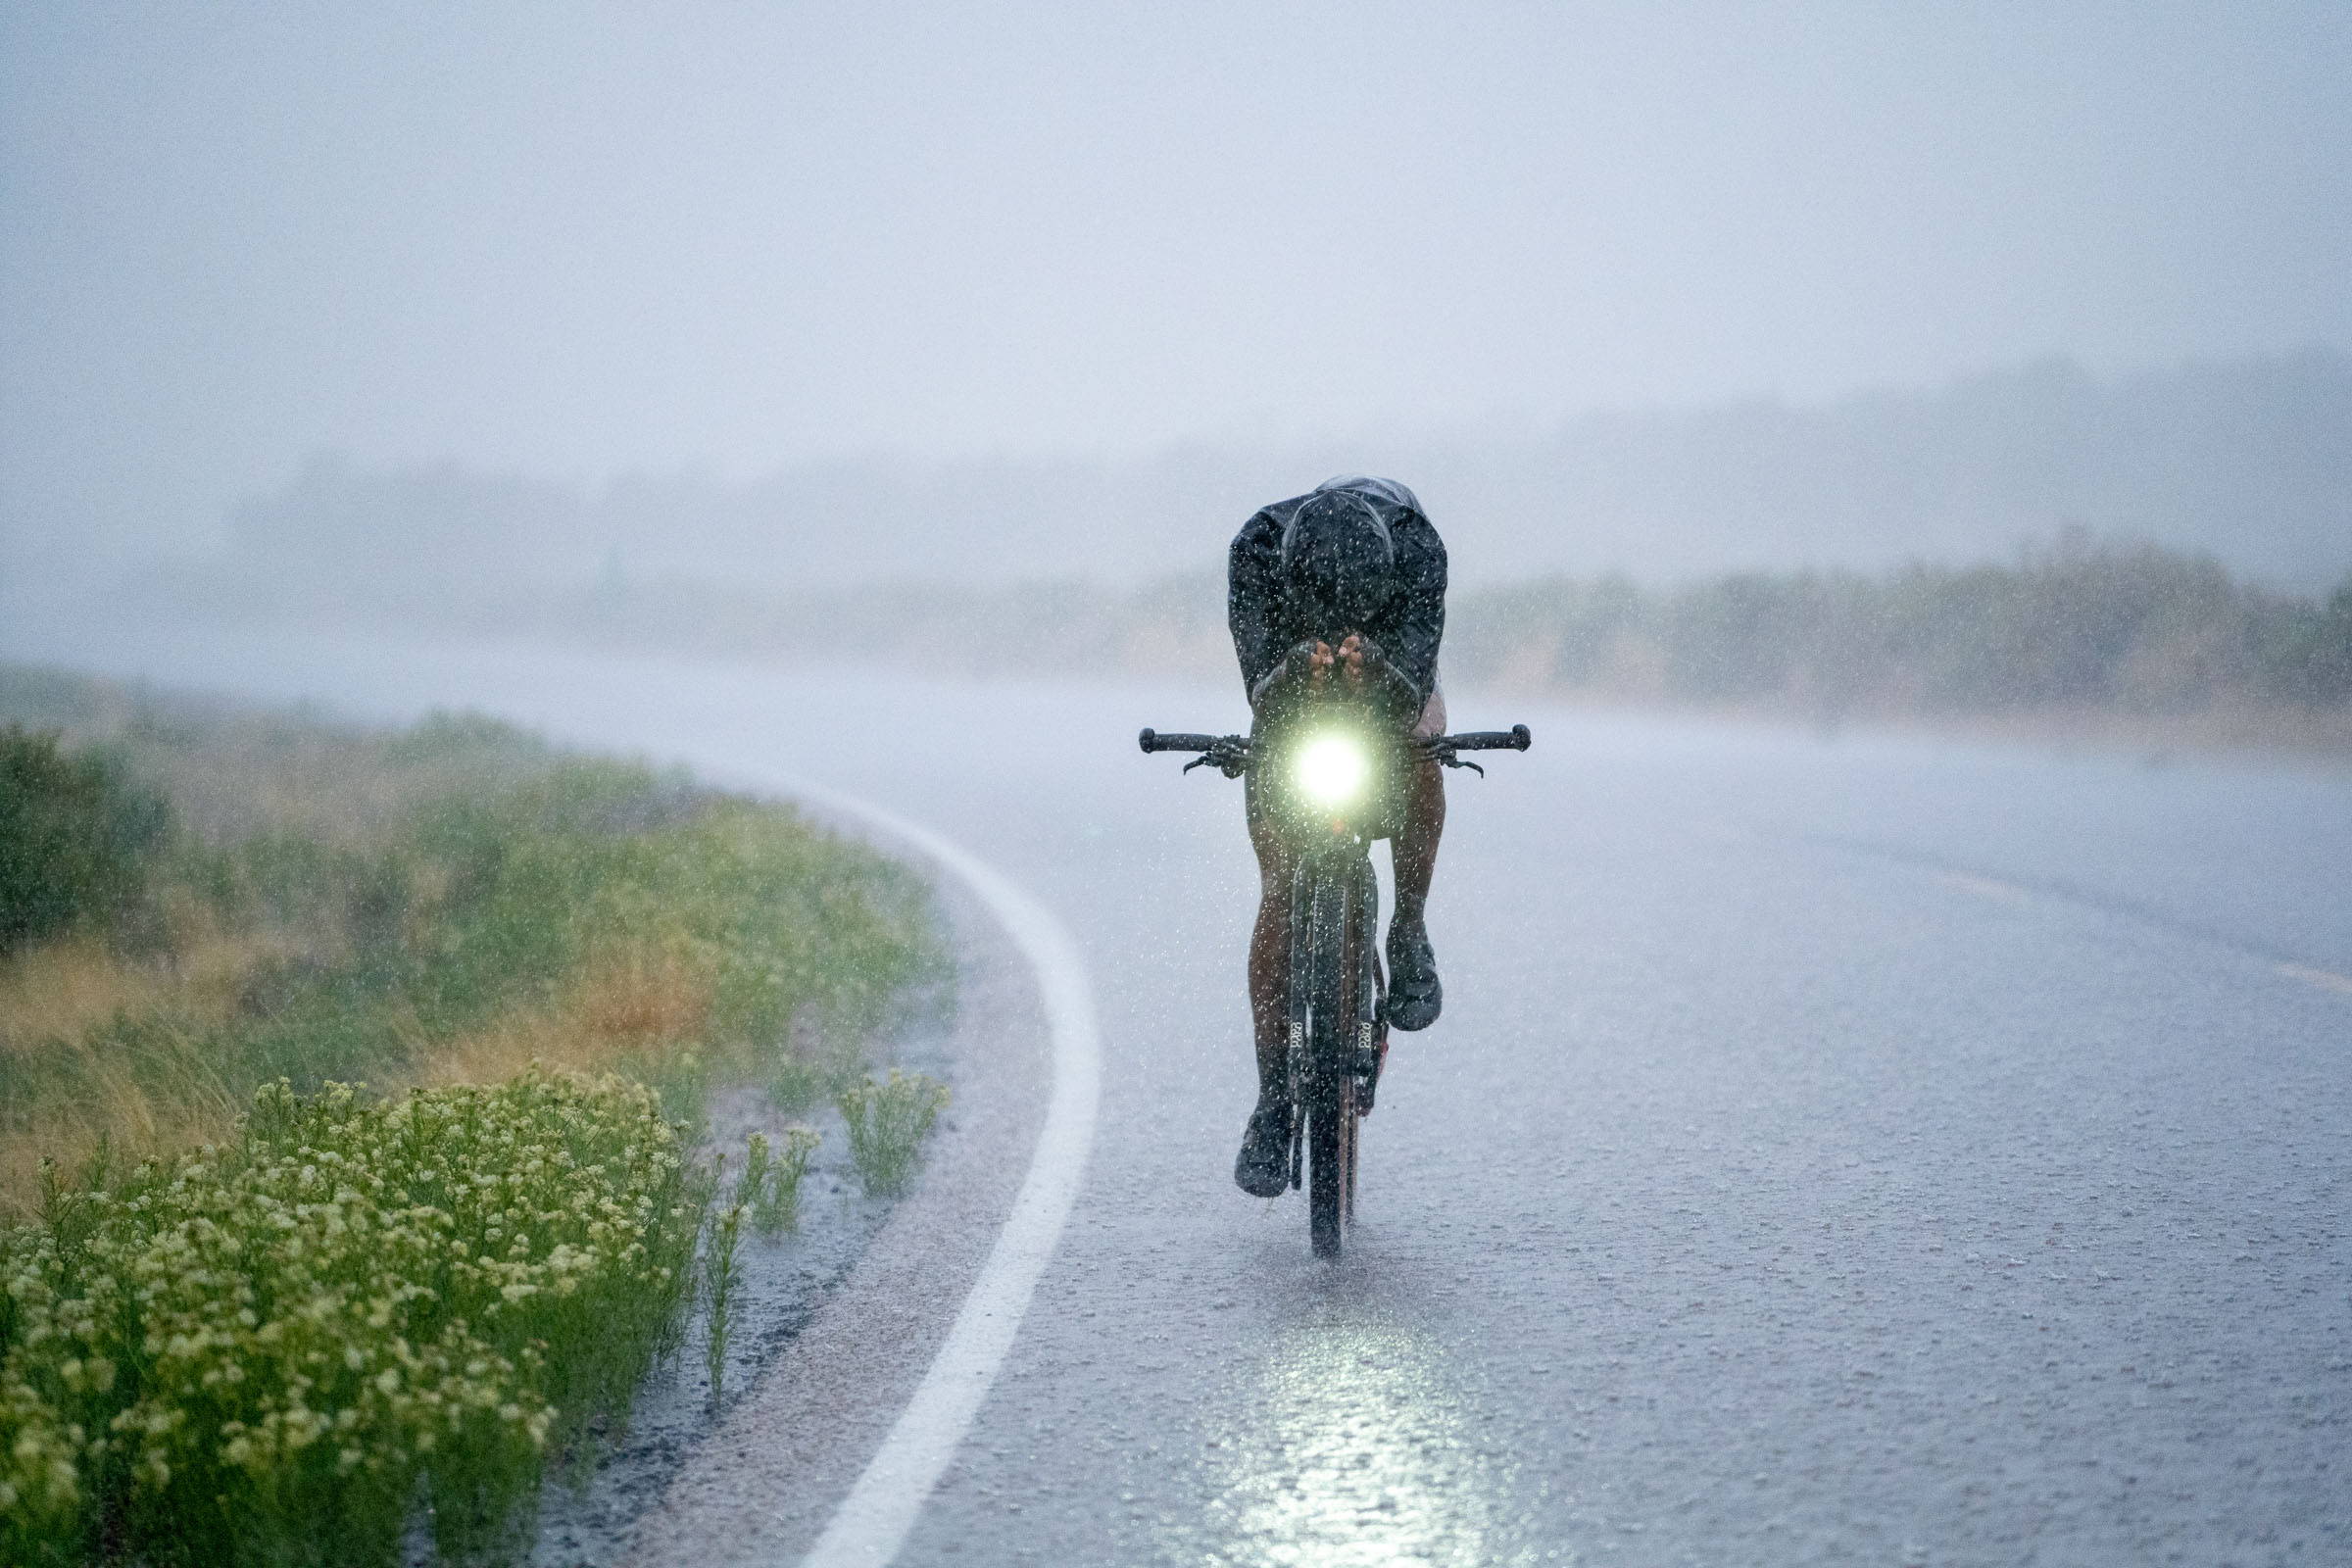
x=2248, y=461
x=1067, y=290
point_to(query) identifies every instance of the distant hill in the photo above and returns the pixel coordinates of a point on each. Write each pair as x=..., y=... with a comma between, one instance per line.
x=2248, y=460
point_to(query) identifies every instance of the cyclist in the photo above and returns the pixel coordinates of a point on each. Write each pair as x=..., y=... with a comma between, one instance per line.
x=1343, y=586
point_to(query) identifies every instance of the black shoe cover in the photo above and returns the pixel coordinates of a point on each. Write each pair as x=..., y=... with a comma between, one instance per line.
x=1414, y=995
x=1262, y=1169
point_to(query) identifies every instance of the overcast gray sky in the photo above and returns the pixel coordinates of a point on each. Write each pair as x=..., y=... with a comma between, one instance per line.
x=578, y=240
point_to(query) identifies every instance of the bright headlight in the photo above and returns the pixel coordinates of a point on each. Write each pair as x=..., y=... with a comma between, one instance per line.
x=1331, y=769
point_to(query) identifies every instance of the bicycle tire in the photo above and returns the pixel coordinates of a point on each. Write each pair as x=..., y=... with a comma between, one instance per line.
x=1359, y=1022
x=1326, y=1191
x=1340, y=915
x=1300, y=994
x=1327, y=1118
x=1351, y=1133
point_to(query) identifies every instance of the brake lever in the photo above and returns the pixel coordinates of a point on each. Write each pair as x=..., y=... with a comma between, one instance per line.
x=1446, y=755
x=1226, y=760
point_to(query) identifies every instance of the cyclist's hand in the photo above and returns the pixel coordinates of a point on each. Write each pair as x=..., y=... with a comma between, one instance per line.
x=1350, y=659
x=1319, y=660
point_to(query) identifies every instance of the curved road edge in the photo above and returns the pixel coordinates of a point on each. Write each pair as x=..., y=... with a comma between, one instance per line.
x=760, y=1488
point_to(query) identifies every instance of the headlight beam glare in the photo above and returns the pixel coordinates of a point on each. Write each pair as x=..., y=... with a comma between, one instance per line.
x=1331, y=769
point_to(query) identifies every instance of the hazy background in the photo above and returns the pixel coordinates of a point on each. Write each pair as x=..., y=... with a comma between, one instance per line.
x=313, y=300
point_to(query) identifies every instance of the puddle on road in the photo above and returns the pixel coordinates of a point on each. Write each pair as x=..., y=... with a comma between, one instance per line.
x=1356, y=1442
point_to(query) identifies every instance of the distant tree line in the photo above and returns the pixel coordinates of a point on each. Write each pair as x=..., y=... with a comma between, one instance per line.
x=2079, y=623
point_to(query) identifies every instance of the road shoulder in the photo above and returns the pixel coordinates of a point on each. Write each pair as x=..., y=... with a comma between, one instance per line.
x=763, y=1487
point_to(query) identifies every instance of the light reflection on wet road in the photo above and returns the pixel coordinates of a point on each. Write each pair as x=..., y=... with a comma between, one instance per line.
x=1773, y=1191
x=1351, y=1441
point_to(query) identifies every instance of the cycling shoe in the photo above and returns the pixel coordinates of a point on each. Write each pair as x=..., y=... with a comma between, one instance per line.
x=1262, y=1169
x=1414, y=995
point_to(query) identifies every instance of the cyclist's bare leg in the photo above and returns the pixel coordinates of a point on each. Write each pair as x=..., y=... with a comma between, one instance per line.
x=1414, y=850
x=1415, y=996
x=1262, y=1167
x=1270, y=952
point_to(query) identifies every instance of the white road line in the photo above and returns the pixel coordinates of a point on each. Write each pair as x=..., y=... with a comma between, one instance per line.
x=2324, y=979
x=873, y=1520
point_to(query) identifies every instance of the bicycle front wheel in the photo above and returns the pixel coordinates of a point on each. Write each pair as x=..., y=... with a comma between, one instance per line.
x=1342, y=913
x=1330, y=1167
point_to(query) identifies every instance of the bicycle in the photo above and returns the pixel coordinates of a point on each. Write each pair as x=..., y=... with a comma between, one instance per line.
x=1334, y=788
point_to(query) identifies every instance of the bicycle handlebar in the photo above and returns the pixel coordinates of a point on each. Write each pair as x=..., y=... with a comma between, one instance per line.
x=1236, y=748
x=1514, y=739
x=1153, y=741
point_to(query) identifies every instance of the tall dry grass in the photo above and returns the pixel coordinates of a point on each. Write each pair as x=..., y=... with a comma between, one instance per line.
x=642, y=1009
x=57, y=999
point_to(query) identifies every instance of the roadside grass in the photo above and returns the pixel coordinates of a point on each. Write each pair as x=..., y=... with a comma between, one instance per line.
x=722, y=1273
x=348, y=1163
x=772, y=1179
x=887, y=1118
x=584, y=914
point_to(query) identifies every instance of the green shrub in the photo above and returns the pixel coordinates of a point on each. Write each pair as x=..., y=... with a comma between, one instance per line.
x=887, y=1121
x=76, y=838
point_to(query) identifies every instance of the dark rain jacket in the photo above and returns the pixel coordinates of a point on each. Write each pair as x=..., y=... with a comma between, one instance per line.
x=1266, y=628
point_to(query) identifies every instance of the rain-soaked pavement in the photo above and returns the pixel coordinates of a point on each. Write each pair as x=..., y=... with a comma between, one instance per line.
x=1879, y=1151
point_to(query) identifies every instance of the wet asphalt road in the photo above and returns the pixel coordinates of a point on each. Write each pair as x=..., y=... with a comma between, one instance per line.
x=1883, y=1151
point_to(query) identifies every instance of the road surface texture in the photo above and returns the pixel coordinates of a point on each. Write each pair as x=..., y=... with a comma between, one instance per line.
x=1881, y=1150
